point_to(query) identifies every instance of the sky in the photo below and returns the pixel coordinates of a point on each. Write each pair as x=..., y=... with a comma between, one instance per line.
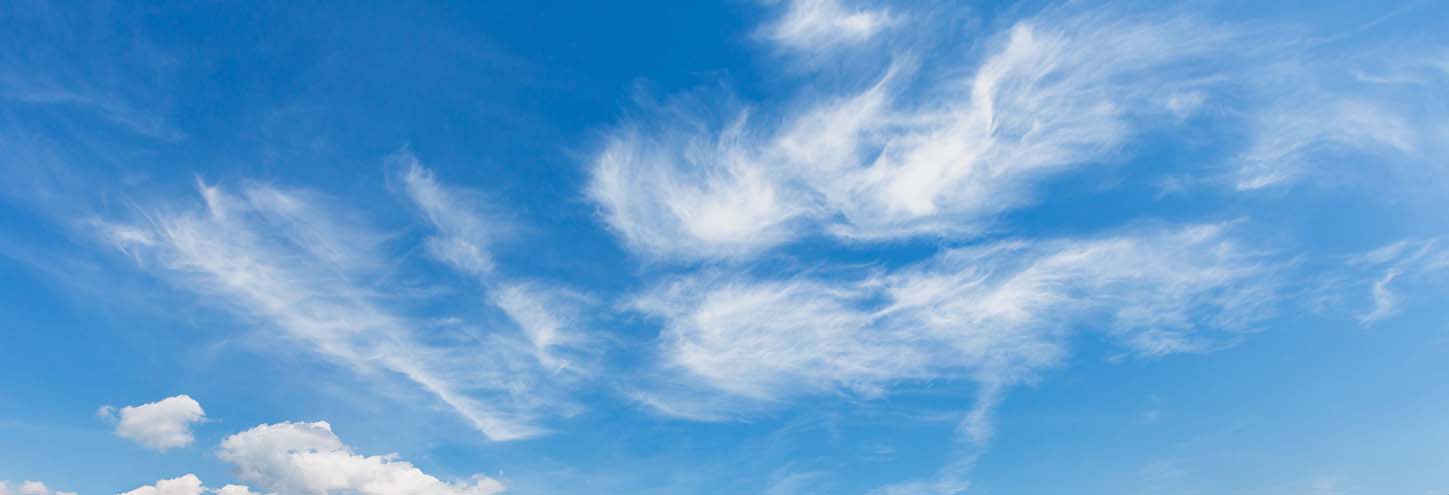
x=775, y=247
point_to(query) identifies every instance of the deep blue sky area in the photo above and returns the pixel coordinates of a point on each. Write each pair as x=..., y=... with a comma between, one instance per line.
x=773, y=247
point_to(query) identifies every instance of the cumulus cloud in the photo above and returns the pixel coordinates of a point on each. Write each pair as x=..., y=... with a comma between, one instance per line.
x=288, y=259
x=996, y=314
x=310, y=458
x=160, y=425
x=187, y=484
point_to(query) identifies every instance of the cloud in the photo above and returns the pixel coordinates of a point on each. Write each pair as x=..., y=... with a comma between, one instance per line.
x=310, y=458
x=463, y=233
x=1399, y=262
x=30, y=488
x=235, y=490
x=546, y=317
x=996, y=314
x=1291, y=136
x=289, y=261
x=188, y=484
x=185, y=485
x=817, y=25
x=967, y=141
x=160, y=425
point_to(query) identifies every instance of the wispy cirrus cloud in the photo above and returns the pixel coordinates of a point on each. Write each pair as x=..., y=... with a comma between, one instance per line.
x=297, y=265
x=995, y=314
x=945, y=148
x=1398, y=263
x=813, y=26
x=1049, y=95
x=548, y=317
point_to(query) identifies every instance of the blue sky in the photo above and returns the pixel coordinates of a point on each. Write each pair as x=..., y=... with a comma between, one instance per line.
x=783, y=247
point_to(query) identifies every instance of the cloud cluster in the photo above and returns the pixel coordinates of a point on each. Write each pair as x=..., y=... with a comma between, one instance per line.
x=310, y=458
x=160, y=425
x=885, y=163
x=297, y=458
x=289, y=458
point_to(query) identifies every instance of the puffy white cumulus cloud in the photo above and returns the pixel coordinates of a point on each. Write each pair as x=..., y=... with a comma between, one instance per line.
x=995, y=314
x=160, y=425
x=1051, y=94
x=188, y=484
x=310, y=458
x=29, y=488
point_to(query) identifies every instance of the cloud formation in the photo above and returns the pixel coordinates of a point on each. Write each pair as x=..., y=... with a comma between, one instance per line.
x=29, y=488
x=1398, y=263
x=817, y=25
x=880, y=163
x=160, y=425
x=995, y=314
x=297, y=265
x=310, y=458
x=187, y=484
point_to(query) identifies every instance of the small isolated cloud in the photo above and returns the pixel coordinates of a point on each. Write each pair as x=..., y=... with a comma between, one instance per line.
x=310, y=458
x=816, y=25
x=1400, y=262
x=29, y=488
x=160, y=425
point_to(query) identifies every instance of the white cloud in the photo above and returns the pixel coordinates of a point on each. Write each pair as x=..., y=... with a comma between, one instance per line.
x=286, y=259
x=235, y=490
x=310, y=458
x=1403, y=260
x=683, y=196
x=187, y=484
x=160, y=425
x=1287, y=138
x=816, y=25
x=463, y=233
x=546, y=317
x=1050, y=95
x=996, y=314
x=30, y=488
